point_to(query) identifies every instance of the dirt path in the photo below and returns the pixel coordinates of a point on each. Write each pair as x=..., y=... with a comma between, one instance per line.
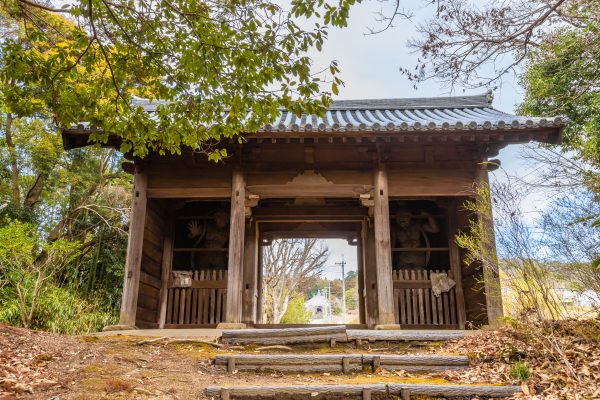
x=40, y=365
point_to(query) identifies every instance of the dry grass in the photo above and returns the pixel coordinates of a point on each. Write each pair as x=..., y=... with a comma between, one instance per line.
x=562, y=359
x=38, y=365
x=118, y=385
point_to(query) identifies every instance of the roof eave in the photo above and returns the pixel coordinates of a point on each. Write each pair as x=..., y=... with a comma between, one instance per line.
x=74, y=138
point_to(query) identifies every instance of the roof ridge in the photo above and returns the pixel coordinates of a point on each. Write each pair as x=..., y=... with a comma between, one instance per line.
x=471, y=101
x=398, y=103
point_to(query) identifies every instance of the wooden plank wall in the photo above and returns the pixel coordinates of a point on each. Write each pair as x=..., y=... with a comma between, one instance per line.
x=201, y=305
x=415, y=304
x=150, y=275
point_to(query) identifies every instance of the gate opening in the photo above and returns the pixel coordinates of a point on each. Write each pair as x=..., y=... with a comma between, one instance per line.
x=309, y=281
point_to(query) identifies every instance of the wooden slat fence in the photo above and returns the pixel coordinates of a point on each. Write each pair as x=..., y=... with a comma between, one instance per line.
x=202, y=304
x=415, y=304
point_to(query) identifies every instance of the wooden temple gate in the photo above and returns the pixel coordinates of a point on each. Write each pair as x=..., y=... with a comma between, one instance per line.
x=371, y=171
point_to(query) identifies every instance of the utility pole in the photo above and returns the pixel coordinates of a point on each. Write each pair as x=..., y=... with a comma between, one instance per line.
x=343, y=265
x=328, y=312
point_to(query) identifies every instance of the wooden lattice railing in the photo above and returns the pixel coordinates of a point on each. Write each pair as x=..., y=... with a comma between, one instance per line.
x=200, y=305
x=415, y=304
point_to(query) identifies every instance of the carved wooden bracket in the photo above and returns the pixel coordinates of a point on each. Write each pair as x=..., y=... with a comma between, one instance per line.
x=250, y=202
x=366, y=200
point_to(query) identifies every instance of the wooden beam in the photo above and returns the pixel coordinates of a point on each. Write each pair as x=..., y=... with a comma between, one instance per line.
x=259, y=274
x=383, y=254
x=167, y=263
x=416, y=180
x=135, y=242
x=455, y=261
x=188, y=192
x=491, y=276
x=308, y=190
x=370, y=274
x=236, y=248
x=361, y=279
x=250, y=283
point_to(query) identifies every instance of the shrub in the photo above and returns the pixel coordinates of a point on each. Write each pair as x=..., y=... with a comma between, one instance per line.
x=28, y=266
x=59, y=310
x=296, y=312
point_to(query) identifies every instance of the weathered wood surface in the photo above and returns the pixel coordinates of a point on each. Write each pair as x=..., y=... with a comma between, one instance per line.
x=361, y=277
x=455, y=261
x=250, y=285
x=385, y=359
x=357, y=390
x=415, y=303
x=285, y=336
x=236, y=248
x=493, y=293
x=344, y=363
x=167, y=264
x=250, y=333
x=383, y=256
x=370, y=275
x=202, y=304
x=400, y=335
x=287, y=339
x=135, y=245
x=352, y=368
x=420, y=181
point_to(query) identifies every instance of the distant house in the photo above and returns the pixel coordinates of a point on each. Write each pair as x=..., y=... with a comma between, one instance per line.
x=586, y=299
x=319, y=307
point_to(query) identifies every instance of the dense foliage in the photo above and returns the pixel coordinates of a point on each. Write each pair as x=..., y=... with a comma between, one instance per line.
x=217, y=68
x=63, y=218
x=563, y=78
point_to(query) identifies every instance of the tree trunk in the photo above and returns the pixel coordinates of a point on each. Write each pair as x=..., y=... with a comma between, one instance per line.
x=34, y=193
x=282, y=309
x=14, y=167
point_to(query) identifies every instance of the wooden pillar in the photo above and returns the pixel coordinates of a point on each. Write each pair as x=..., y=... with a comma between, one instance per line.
x=259, y=278
x=491, y=276
x=135, y=242
x=167, y=264
x=455, y=261
x=370, y=275
x=236, y=248
x=383, y=251
x=250, y=294
x=361, y=279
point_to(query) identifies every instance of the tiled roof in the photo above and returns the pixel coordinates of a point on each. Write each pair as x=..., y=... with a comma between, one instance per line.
x=410, y=114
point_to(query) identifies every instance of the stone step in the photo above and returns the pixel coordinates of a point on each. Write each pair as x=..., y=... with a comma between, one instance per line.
x=346, y=363
x=365, y=392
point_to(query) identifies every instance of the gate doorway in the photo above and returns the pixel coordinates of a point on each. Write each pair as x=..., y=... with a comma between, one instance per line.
x=302, y=250
x=310, y=281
